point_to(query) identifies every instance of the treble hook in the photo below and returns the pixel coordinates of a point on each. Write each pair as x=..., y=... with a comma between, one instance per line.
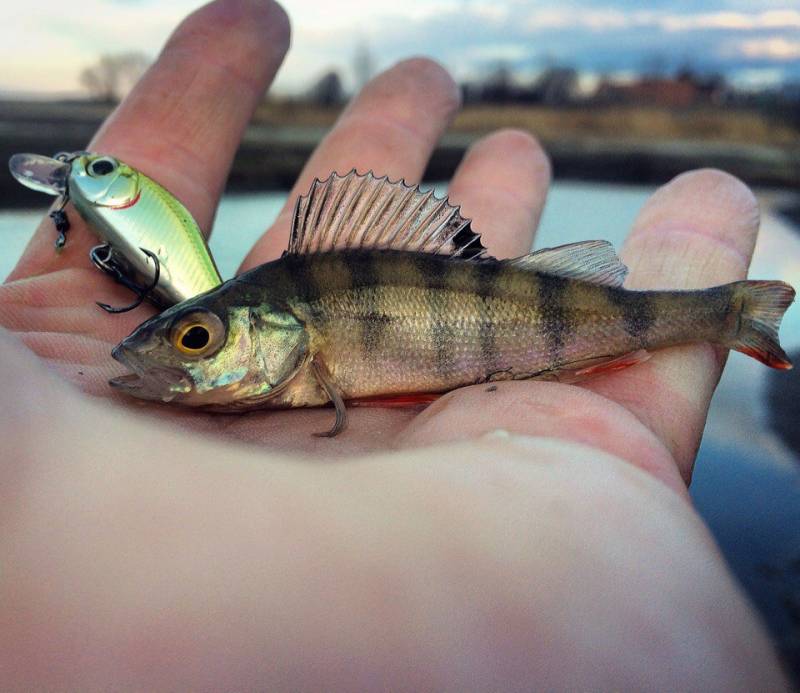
x=59, y=217
x=107, y=265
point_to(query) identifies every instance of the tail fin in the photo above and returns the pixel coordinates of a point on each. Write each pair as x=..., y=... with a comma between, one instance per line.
x=763, y=304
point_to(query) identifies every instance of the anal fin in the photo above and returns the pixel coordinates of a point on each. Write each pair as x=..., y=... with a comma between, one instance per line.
x=583, y=370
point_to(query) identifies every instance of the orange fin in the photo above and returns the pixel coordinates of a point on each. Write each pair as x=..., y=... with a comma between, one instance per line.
x=396, y=401
x=576, y=372
x=763, y=306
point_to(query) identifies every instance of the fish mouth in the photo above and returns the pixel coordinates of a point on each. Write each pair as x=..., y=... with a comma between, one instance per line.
x=158, y=383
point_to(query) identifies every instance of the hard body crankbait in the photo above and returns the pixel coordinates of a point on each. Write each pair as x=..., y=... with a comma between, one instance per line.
x=151, y=242
x=376, y=298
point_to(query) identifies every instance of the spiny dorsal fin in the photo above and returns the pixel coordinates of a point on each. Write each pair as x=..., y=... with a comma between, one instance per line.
x=363, y=211
x=588, y=261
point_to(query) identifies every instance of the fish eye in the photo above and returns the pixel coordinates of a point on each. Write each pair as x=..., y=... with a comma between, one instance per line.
x=195, y=338
x=102, y=167
x=199, y=333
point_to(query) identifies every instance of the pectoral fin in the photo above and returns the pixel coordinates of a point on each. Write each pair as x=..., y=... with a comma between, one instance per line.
x=323, y=376
x=396, y=401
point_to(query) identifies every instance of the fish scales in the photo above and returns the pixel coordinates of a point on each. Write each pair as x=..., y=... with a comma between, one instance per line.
x=423, y=323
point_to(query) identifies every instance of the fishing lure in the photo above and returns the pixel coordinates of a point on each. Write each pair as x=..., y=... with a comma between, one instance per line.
x=151, y=244
x=376, y=298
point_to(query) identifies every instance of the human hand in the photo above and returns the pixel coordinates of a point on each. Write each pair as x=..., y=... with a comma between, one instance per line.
x=182, y=125
x=508, y=511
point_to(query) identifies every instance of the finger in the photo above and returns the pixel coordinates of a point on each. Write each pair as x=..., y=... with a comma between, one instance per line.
x=183, y=121
x=390, y=128
x=502, y=186
x=698, y=231
x=57, y=302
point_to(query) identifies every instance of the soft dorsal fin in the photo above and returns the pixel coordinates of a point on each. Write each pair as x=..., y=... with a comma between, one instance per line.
x=588, y=261
x=363, y=211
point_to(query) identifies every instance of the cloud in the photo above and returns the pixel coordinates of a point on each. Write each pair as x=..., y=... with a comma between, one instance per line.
x=733, y=21
x=575, y=18
x=45, y=44
x=610, y=18
x=778, y=49
x=602, y=35
x=758, y=77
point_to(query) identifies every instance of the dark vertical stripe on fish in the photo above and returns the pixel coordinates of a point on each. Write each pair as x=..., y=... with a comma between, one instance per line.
x=555, y=319
x=638, y=312
x=365, y=276
x=442, y=331
x=301, y=270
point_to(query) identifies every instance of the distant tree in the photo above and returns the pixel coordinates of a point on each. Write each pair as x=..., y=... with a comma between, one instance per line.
x=556, y=86
x=327, y=90
x=470, y=92
x=113, y=75
x=498, y=86
x=363, y=64
x=789, y=98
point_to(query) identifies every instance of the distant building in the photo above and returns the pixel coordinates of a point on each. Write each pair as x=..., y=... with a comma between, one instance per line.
x=682, y=91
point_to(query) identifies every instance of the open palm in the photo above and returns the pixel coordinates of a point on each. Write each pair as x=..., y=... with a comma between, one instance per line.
x=137, y=556
x=182, y=124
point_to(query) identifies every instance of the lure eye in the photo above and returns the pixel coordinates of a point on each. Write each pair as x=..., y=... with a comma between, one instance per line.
x=102, y=167
x=199, y=333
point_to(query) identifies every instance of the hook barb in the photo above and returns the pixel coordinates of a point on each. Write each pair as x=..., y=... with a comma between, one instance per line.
x=107, y=265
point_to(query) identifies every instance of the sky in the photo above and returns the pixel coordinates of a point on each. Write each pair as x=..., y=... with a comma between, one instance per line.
x=44, y=44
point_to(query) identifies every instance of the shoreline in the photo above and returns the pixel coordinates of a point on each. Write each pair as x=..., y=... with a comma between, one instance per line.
x=281, y=138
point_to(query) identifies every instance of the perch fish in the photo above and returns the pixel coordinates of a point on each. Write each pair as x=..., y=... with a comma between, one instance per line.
x=151, y=242
x=386, y=294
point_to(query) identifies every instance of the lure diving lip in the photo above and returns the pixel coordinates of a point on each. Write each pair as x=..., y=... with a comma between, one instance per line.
x=151, y=243
x=40, y=173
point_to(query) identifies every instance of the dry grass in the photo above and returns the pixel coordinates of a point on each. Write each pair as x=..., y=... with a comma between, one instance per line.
x=710, y=124
x=635, y=123
x=289, y=113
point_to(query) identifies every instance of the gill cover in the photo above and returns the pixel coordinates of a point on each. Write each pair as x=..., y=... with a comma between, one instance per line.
x=281, y=343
